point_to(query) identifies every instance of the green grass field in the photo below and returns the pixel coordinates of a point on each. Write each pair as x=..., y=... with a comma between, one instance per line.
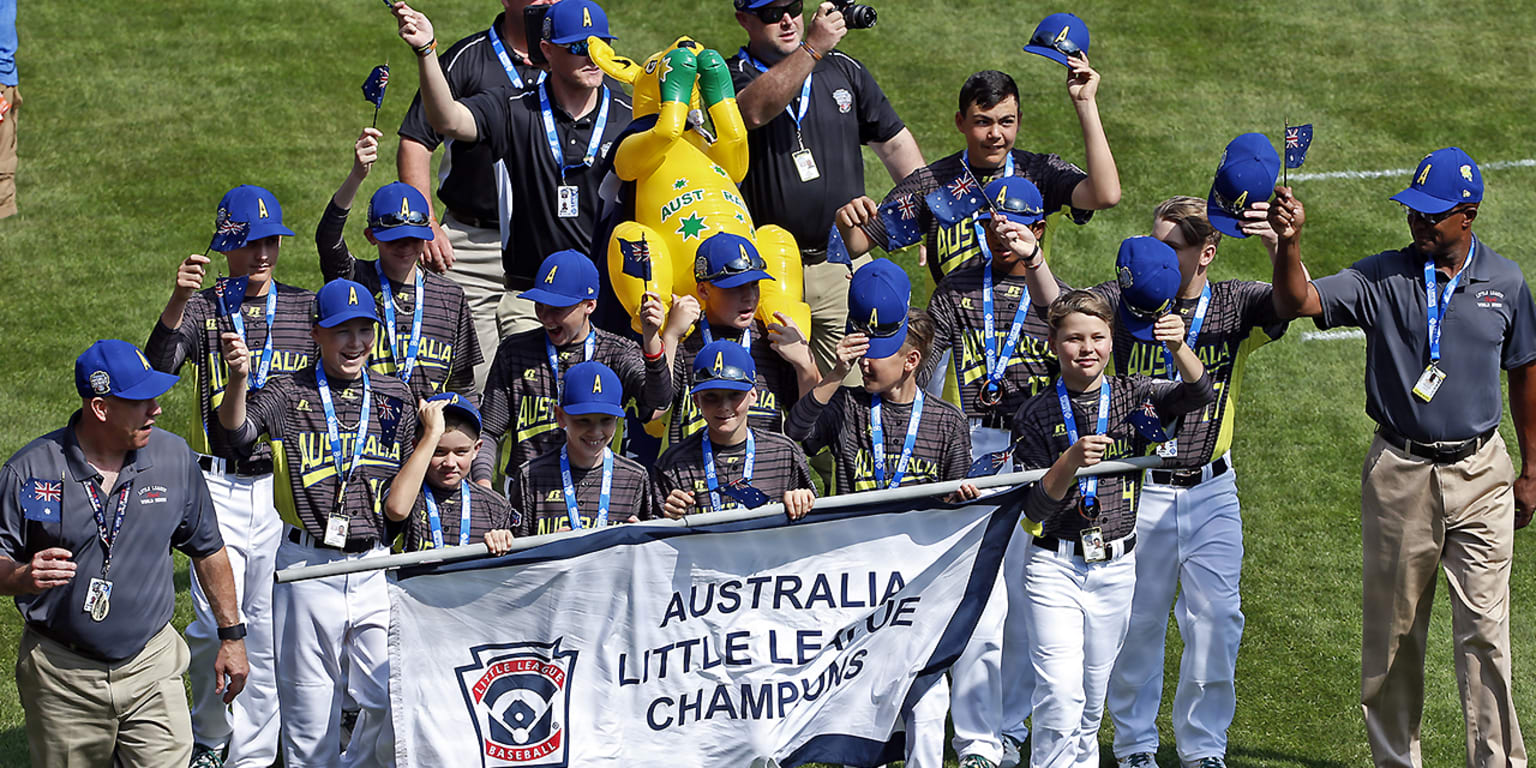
x=137, y=119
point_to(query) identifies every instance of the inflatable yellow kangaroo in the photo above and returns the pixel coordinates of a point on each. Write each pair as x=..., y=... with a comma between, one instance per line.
x=684, y=181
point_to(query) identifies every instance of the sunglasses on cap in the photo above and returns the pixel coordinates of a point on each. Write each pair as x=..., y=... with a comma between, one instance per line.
x=772, y=14
x=1432, y=219
x=1146, y=314
x=877, y=330
x=388, y=220
x=740, y=264
x=1065, y=46
x=724, y=373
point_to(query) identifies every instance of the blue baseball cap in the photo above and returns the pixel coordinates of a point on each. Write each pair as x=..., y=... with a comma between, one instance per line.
x=399, y=210
x=573, y=21
x=878, y=297
x=727, y=260
x=592, y=387
x=565, y=278
x=1444, y=179
x=723, y=364
x=254, y=207
x=460, y=403
x=1058, y=36
x=1246, y=175
x=1148, y=272
x=1016, y=198
x=341, y=300
x=112, y=368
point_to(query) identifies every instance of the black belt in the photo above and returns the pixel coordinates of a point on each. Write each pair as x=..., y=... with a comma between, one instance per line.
x=1439, y=453
x=353, y=546
x=475, y=221
x=813, y=256
x=1054, y=544
x=514, y=283
x=243, y=468
x=75, y=648
x=1189, y=478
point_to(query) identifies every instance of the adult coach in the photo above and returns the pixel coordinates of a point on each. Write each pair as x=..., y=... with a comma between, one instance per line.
x=808, y=109
x=472, y=227
x=10, y=99
x=1441, y=317
x=88, y=516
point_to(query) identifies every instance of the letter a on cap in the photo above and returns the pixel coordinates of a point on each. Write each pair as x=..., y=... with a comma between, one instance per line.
x=405, y=206
x=874, y=316
x=1424, y=174
x=586, y=17
x=597, y=384
x=142, y=361
x=261, y=208
x=1241, y=202
x=744, y=255
x=351, y=295
x=1062, y=35
x=550, y=278
x=719, y=360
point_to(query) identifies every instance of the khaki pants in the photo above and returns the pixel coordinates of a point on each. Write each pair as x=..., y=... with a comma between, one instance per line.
x=1418, y=516
x=8, y=151
x=81, y=711
x=477, y=269
x=826, y=292
x=514, y=314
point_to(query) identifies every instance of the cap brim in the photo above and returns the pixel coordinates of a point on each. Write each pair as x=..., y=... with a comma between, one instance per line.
x=264, y=229
x=345, y=315
x=1017, y=218
x=153, y=385
x=881, y=347
x=551, y=298
x=585, y=409
x=1423, y=202
x=581, y=38
x=391, y=234
x=1139, y=328
x=737, y=386
x=1224, y=222
x=1049, y=53
x=731, y=281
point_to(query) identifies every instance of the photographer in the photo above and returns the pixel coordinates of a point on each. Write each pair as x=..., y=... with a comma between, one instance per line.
x=808, y=109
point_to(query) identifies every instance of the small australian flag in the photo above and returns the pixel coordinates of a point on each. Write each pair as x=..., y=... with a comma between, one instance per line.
x=373, y=87
x=837, y=249
x=900, y=219
x=231, y=294
x=389, y=419
x=956, y=200
x=1297, y=139
x=228, y=235
x=1147, y=422
x=41, y=500
x=637, y=258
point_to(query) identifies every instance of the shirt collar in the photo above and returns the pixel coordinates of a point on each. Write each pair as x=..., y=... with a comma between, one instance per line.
x=135, y=463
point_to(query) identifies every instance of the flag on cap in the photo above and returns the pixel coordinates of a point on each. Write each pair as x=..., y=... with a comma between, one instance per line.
x=41, y=500
x=900, y=219
x=1297, y=139
x=231, y=294
x=228, y=235
x=637, y=258
x=837, y=249
x=956, y=200
x=373, y=87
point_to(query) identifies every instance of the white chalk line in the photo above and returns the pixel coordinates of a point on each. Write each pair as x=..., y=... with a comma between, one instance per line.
x=1497, y=165
x=1342, y=333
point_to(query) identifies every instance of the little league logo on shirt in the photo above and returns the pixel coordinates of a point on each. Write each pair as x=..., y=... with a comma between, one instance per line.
x=519, y=696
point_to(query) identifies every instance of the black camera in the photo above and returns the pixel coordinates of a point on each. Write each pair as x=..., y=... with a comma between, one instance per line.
x=856, y=16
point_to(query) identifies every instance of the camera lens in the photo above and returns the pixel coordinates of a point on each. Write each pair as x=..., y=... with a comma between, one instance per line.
x=860, y=16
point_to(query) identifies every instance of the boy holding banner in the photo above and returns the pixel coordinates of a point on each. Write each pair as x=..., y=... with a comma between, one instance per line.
x=448, y=440
x=577, y=485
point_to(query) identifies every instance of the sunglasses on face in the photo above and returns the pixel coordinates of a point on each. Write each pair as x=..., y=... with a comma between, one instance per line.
x=742, y=263
x=387, y=220
x=1065, y=46
x=774, y=13
x=1432, y=219
x=723, y=373
x=578, y=48
x=878, y=330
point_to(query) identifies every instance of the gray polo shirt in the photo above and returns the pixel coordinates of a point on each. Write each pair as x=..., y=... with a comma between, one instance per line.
x=1490, y=324
x=168, y=506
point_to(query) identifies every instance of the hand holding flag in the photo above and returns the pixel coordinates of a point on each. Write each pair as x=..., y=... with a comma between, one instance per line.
x=231, y=292
x=899, y=216
x=373, y=89
x=1297, y=139
x=637, y=258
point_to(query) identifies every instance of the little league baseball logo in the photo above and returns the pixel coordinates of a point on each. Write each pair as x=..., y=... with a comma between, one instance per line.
x=519, y=696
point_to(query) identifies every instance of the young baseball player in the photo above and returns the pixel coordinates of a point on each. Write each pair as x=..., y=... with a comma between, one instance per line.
x=583, y=483
x=428, y=332
x=727, y=270
x=730, y=463
x=274, y=321
x=1080, y=572
x=523, y=387
x=338, y=435
x=448, y=437
x=982, y=314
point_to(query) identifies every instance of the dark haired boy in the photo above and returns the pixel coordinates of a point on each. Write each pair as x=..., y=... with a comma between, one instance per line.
x=448, y=510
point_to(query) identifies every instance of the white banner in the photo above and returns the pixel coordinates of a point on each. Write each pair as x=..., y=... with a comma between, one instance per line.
x=729, y=645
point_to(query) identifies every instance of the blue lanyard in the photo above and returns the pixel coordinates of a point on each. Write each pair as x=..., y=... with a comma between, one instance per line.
x=1088, y=486
x=906, y=445
x=260, y=378
x=1193, y=334
x=997, y=360
x=436, y=520
x=108, y=536
x=506, y=61
x=554, y=357
x=554, y=141
x=1437, y=309
x=713, y=479
x=403, y=368
x=805, y=91
x=569, y=488
x=965, y=165
x=333, y=425
x=746, y=335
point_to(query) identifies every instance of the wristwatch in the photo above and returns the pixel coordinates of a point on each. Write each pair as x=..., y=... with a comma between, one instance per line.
x=235, y=632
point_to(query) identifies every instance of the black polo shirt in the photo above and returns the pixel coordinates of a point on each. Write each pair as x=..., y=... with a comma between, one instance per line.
x=1490, y=324
x=468, y=181
x=847, y=110
x=512, y=124
x=168, y=506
